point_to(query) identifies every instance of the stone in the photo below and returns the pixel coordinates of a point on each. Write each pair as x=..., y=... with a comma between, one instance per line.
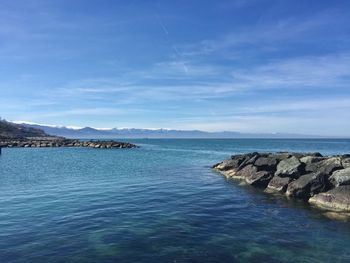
x=258, y=179
x=290, y=167
x=278, y=184
x=246, y=171
x=337, y=199
x=345, y=162
x=308, y=185
x=311, y=159
x=228, y=164
x=266, y=164
x=250, y=159
x=326, y=166
x=340, y=177
x=282, y=155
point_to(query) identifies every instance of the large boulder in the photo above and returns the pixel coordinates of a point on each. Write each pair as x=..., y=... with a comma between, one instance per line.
x=278, y=184
x=227, y=165
x=266, y=163
x=249, y=160
x=246, y=171
x=308, y=185
x=290, y=167
x=258, y=179
x=326, y=166
x=337, y=199
x=311, y=159
x=340, y=177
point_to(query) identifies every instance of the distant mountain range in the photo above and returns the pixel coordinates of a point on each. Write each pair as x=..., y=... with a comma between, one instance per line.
x=90, y=133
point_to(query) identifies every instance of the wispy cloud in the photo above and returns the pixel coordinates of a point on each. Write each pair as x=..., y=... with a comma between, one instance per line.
x=270, y=70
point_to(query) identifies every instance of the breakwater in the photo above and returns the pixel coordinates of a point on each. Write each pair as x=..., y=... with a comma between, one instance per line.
x=62, y=142
x=322, y=181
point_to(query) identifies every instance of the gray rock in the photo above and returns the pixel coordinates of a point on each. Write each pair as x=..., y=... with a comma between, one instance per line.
x=278, y=184
x=337, y=199
x=229, y=164
x=311, y=159
x=308, y=185
x=258, y=179
x=250, y=159
x=290, y=167
x=266, y=164
x=282, y=155
x=340, y=177
x=246, y=171
x=346, y=162
x=326, y=166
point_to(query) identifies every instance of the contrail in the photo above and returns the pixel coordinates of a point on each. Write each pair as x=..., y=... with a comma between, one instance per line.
x=162, y=24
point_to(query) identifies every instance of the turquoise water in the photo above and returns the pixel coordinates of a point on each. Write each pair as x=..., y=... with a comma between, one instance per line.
x=158, y=203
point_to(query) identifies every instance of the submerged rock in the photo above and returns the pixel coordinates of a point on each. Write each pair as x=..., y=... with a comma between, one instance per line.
x=337, y=199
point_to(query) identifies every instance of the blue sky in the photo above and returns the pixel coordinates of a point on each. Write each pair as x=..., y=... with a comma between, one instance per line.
x=239, y=65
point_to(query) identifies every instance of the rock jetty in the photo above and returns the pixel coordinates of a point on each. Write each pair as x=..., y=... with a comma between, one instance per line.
x=323, y=181
x=62, y=142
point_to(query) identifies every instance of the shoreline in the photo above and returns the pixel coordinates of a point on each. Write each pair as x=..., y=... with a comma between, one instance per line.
x=322, y=181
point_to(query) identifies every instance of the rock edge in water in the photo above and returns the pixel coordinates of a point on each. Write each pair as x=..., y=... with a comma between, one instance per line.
x=61, y=142
x=324, y=181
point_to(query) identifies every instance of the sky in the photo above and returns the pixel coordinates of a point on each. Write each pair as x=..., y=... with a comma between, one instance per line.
x=230, y=65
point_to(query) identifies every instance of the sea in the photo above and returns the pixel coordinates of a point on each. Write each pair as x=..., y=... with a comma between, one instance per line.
x=161, y=202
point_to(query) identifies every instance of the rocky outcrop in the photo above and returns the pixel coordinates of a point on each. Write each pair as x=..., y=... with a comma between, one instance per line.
x=61, y=142
x=323, y=181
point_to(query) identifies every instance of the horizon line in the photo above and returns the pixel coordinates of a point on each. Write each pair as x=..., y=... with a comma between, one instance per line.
x=77, y=128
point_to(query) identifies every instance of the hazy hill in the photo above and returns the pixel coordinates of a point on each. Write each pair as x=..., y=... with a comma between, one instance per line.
x=10, y=130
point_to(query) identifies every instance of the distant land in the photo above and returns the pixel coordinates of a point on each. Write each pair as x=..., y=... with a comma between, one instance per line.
x=13, y=135
x=10, y=130
x=89, y=132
